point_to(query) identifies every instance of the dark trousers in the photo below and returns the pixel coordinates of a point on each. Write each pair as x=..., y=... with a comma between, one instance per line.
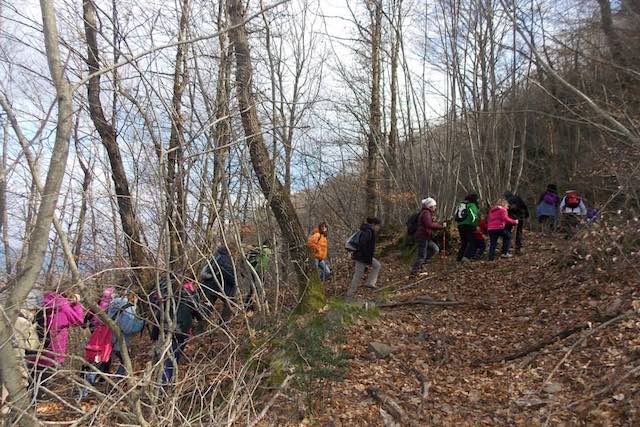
x=177, y=345
x=506, y=242
x=423, y=253
x=467, y=242
x=480, y=247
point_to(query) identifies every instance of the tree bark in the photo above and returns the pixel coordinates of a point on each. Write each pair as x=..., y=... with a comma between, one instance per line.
x=130, y=224
x=311, y=289
x=613, y=38
x=374, y=136
x=175, y=179
x=12, y=378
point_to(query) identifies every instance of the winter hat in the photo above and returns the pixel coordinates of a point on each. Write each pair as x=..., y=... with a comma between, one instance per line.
x=429, y=202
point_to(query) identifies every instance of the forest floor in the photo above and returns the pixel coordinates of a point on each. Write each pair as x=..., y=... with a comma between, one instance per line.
x=569, y=308
x=446, y=364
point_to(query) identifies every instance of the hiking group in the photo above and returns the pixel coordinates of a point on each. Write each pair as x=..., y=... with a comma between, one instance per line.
x=499, y=222
x=182, y=305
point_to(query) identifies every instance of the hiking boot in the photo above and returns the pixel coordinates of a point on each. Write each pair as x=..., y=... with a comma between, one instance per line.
x=371, y=286
x=507, y=256
x=465, y=260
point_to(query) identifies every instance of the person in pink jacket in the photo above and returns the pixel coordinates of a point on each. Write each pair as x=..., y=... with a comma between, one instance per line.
x=105, y=300
x=60, y=315
x=497, y=221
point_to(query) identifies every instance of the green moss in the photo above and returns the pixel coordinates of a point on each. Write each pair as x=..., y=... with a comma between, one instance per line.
x=313, y=297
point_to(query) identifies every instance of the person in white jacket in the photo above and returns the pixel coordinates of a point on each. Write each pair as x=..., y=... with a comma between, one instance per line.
x=573, y=211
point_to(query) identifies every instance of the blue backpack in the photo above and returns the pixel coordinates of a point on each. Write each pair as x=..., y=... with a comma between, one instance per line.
x=123, y=313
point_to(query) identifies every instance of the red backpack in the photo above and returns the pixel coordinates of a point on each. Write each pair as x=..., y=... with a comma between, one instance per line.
x=572, y=200
x=99, y=347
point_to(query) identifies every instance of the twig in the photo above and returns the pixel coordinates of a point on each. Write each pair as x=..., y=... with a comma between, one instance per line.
x=422, y=301
x=273, y=399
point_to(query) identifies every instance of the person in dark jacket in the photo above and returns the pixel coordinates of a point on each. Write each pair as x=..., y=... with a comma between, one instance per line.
x=423, y=235
x=363, y=256
x=517, y=210
x=187, y=310
x=218, y=280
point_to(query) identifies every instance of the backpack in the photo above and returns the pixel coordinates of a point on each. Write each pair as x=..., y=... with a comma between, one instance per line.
x=461, y=213
x=353, y=242
x=99, y=347
x=550, y=198
x=572, y=200
x=413, y=224
x=124, y=318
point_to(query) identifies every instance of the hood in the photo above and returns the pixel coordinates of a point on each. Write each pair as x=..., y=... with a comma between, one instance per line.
x=366, y=227
x=222, y=250
x=55, y=301
x=107, y=296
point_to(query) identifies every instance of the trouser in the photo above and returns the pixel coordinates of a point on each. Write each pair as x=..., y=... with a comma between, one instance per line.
x=325, y=271
x=426, y=249
x=480, y=247
x=213, y=292
x=359, y=274
x=506, y=242
x=177, y=346
x=467, y=241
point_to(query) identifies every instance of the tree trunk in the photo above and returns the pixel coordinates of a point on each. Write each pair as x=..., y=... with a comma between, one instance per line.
x=374, y=136
x=4, y=220
x=311, y=289
x=175, y=179
x=130, y=224
x=10, y=361
x=613, y=38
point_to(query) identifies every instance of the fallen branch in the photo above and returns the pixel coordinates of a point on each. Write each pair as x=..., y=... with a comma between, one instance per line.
x=583, y=339
x=421, y=301
x=565, y=333
x=391, y=406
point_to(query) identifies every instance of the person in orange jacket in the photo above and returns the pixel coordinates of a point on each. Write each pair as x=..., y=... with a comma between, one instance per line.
x=318, y=244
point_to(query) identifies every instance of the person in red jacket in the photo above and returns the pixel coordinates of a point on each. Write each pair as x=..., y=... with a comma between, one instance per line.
x=478, y=234
x=423, y=235
x=497, y=221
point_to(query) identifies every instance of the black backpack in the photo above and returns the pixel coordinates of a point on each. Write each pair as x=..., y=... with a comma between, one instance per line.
x=413, y=224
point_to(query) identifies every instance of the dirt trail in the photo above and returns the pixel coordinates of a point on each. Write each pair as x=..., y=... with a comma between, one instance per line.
x=509, y=305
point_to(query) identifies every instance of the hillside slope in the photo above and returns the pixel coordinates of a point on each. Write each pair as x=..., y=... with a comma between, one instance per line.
x=446, y=367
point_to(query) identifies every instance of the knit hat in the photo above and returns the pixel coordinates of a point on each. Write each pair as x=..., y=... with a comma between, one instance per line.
x=429, y=202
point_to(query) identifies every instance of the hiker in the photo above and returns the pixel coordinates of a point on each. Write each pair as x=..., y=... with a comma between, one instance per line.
x=123, y=312
x=479, y=234
x=318, y=244
x=517, y=210
x=99, y=346
x=93, y=319
x=466, y=215
x=547, y=210
x=60, y=314
x=593, y=215
x=363, y=256
x=25, y=339
x=259, y=260
x=497, y=222
x=573, y=211
x=187, y=309
x=424, y=233
x=218, y=280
